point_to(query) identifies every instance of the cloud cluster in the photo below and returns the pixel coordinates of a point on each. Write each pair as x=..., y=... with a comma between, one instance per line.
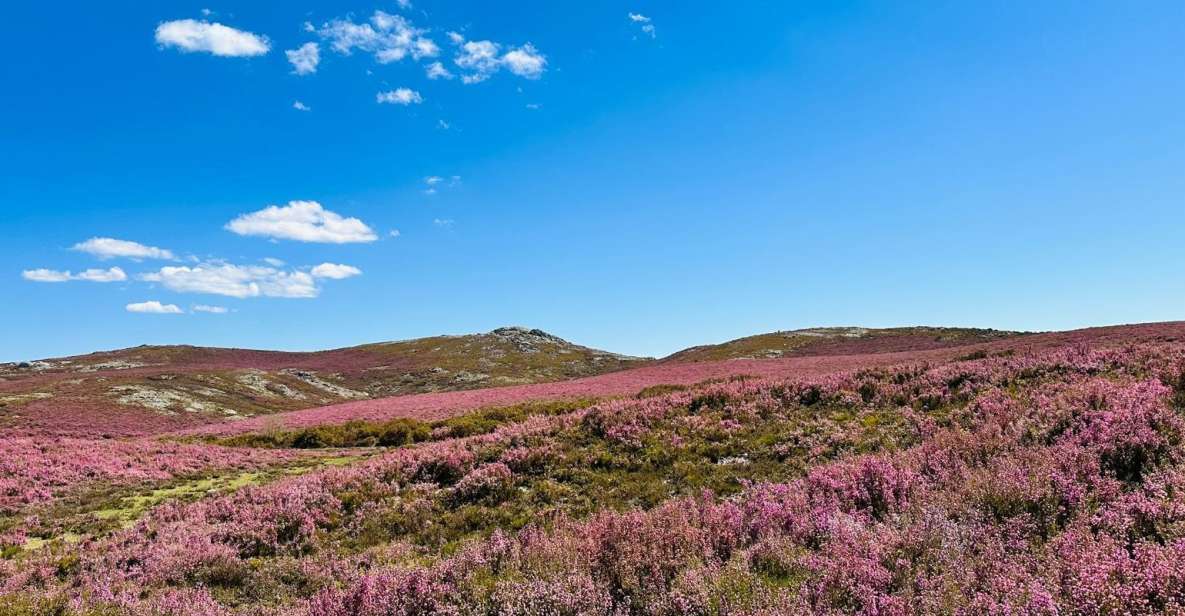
x=399, y=96
x=191, y=35
x=110, y=248
x=153, y=307
x=303, y=221
x=480, y=60
x=304, y=59
x=390, y=38
x=114, y=274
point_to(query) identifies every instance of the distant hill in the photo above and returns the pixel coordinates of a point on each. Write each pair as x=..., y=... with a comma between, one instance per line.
x=838, y=341
x=185, y=385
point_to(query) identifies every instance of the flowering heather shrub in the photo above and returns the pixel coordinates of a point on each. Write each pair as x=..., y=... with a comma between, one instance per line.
x=35, y=469
x=1043, y=483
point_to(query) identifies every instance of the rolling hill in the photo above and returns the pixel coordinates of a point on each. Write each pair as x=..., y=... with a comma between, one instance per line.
x=150, y=388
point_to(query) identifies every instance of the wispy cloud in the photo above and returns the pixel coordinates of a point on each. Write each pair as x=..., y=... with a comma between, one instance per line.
x=335, y=271
x=210, y=309
x=644, y=23
x=303, y=221
x=443, y=222
x=154, y=307
x=304, y=59
x=299, y=106
x=114, y=274
x=436, y=70
x=191, y=35
x=110, y=248
x=400, y=96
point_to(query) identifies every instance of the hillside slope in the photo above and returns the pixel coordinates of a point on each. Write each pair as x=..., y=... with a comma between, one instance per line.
x=150, y=388
x=838, y=341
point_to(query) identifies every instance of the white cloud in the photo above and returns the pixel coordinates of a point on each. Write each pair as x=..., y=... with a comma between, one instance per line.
x=210, y=309
x=154, y=307
x=303, y=221
x=526, y=61
x=191, y=35
x=108, y=248
x=98, y=275
x=403, y=4
x=400, y=96
x=443, y=222
x=433, y=180
x=456, y=37
x=481, y=59
x=644, y=23
x=394, y=233
x=114, y=274
x=239, y=281
x=274, y=262
x=390, y=38
x=442, y=125
x=304, y=59
x=436, y=70
x=335, y=271
x=299, y=106
x=534, y=106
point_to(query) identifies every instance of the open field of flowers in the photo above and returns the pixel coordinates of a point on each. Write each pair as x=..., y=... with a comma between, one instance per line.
x=1038, y=480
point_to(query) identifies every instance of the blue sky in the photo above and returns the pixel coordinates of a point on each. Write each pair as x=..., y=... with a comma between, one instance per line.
x=741, y=167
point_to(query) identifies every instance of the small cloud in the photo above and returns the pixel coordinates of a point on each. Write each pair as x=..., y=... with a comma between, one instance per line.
x=434, y=182
x=399, y=96
x=394, y=233
x=210, y=309
x=191, y=35
x=403, y=4
x=526, y=61
x=643, y=22
x=481, y=59
x=443, y=222
x=456, y=38
x=534, y=106
x=335, y=271
x=272, y=261
x=436, y=70
x=442, y=125
x=109, y=248
x=114, y=274
x=154, y=307
x=299, y=106
x=304, y=59
x=207, y=12
x=303, y=221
